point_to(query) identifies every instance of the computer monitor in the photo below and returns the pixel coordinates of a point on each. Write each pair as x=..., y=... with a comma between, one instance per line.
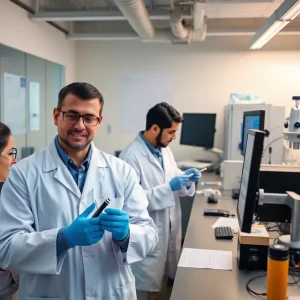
x=198, y=130
x=252, y=120
x=250, y=177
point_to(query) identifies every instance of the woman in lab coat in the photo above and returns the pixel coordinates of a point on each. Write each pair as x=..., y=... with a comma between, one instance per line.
x=8, y=154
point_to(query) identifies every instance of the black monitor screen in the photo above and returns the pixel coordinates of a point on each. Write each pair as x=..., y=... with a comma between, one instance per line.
x=198, y=130
x=249, y=181
x=252, y=120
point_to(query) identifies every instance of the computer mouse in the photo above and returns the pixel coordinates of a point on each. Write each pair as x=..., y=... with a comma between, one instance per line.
x=212, y=199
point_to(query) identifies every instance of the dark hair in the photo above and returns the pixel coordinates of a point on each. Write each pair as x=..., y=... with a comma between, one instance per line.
x=82, y=90
x=5, y=133
x=163, y=115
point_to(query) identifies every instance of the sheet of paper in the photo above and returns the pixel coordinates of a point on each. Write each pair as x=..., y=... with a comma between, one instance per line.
x=206, y=259
x=14, y=91
x=227, y=222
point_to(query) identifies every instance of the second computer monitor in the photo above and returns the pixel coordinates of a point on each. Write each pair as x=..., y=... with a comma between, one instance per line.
x=252, y=120
x=249, y=181
x=198, y=130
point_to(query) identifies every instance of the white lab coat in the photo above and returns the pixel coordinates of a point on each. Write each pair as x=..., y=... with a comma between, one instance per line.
x=39, y=197
x=164, y=208
x=8, y=285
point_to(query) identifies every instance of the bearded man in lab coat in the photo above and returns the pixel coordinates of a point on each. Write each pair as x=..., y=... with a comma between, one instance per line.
x=163, y=183
x=47, y=233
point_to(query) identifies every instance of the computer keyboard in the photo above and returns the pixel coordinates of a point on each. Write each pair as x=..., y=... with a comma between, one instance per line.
x=224, y=233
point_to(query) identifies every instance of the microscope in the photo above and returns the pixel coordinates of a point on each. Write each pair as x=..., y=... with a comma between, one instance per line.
x=292, y=126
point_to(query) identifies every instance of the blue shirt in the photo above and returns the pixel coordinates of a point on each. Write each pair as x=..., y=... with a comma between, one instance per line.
x=156, y=151
x=78, y=174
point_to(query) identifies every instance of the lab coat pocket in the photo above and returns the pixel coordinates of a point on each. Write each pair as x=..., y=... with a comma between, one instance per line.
x=125, y=292
x=116, y=203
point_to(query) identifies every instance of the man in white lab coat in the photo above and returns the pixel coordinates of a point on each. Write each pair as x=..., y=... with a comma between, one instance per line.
x=47, y=233
x=163, y=183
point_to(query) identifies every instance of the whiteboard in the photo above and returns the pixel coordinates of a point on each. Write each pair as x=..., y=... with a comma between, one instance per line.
x=14, y=91
x=138, y=94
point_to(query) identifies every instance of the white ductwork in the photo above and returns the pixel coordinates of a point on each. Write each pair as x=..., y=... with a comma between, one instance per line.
x=199, y=15
x=183, y=31
x=137, y=16
x=199, y=35
x=179, y=29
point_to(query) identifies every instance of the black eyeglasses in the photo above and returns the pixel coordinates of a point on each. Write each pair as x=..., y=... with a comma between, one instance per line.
x=73, y=118
x=13, y=153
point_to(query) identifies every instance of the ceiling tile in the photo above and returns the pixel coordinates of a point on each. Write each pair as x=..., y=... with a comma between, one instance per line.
x=211, y=10
x=238, y=14
x=258, y=7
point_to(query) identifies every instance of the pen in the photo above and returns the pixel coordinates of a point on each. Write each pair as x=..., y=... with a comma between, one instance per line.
x=101, y=208
x=202, y=170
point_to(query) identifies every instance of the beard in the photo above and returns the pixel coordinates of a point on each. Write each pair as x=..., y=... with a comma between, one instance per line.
x=160, y=143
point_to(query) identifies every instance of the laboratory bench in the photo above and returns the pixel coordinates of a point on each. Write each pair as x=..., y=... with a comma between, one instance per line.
x=207, y=284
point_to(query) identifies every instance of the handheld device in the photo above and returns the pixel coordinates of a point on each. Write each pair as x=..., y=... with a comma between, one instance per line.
x=101, y=208
x=192, y=174
x=217, y=212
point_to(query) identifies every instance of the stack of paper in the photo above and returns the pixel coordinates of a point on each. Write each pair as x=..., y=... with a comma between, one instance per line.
x=206, y=259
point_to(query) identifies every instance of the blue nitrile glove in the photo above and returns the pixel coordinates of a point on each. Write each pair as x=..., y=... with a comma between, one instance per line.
x=179, y=182
x=197, y=174
x=84, y=231
x=115, y=221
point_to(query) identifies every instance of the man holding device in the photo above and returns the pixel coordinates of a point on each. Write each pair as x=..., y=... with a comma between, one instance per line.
x=47, y=230
x=163, y=183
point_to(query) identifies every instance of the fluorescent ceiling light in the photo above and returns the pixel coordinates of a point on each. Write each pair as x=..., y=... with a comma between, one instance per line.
x=272, y=31
x=286, y=12
x=292, y=13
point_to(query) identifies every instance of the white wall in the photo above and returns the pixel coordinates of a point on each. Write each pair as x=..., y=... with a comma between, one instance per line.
x=36, y=38
x=205, y=75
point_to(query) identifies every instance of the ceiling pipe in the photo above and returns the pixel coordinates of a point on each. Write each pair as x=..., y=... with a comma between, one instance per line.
x=137, y=16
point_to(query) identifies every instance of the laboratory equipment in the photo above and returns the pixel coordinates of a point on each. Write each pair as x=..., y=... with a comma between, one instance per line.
x=292, y=134
x=198, y=130
x=274, y=119
x=232, y=173
x=253, y=248
x=249, y=187
x=251, y=120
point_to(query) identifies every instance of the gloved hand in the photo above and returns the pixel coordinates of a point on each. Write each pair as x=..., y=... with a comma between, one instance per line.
x=197, y=174
x=115, y=221
x=179, y=182
x=84, y=231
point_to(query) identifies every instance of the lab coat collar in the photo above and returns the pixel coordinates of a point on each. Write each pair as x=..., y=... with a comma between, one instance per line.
x=146, y=152
x=53, y=161
x=95, y=171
